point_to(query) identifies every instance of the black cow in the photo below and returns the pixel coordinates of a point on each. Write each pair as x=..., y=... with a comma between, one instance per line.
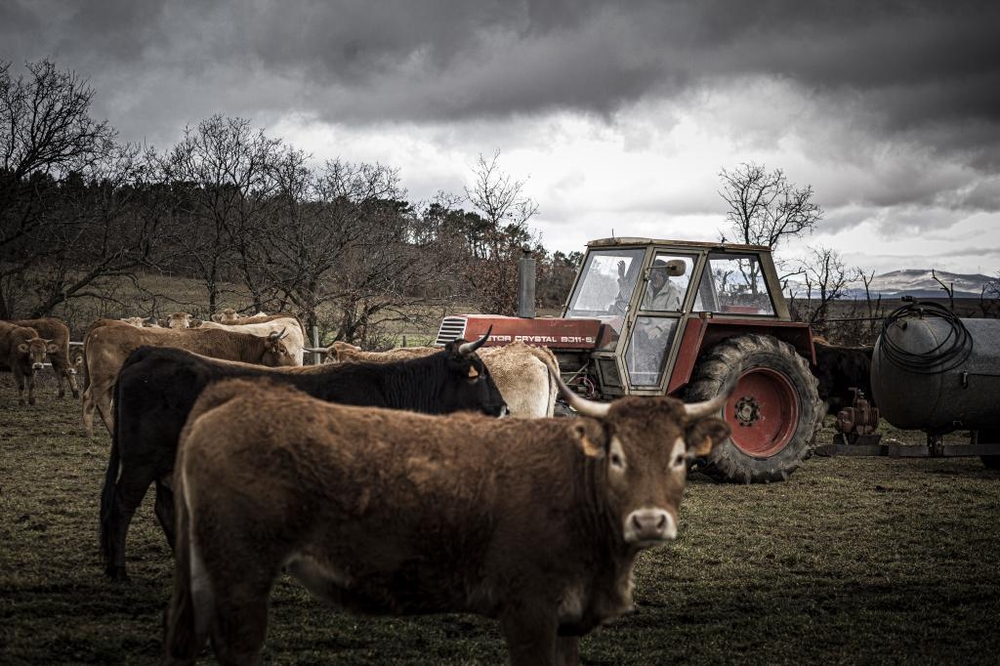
x=157, y=387
x=840, y=369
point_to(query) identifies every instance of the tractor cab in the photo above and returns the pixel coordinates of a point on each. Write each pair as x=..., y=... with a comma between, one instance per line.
x=645, y=292
x=683, y=318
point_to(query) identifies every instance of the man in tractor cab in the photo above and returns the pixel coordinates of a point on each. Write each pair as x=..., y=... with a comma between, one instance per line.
x=661, y=293
x=651, y=336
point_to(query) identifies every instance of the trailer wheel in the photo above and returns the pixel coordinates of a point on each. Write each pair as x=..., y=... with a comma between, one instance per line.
x=774, y=413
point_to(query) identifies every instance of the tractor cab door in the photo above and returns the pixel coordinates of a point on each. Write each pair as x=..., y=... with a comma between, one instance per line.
x=661, y=303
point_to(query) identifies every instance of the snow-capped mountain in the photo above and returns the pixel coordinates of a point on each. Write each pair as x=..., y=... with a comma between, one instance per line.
x=915, y=282
x=920, y=283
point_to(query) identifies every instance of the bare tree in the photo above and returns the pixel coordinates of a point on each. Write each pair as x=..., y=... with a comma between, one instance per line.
x=946, y=288
x=989, y=298
x=63, y=219
x=764, y=208
x=350, y=253
x=505, y=209
x=46, y=122
x=226, y=177
x=826, y=280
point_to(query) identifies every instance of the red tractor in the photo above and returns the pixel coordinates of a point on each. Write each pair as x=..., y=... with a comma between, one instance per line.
x=655, y=317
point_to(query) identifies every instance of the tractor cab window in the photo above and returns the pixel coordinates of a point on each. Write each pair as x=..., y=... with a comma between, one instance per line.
x=665, y=291
x=667, y=282
x=607, y=281
x=732, y=284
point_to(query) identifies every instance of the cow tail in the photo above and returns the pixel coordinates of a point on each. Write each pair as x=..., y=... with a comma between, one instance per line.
x=182, y=639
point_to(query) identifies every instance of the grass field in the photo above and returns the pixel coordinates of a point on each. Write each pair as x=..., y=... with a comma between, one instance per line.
x=850, y=561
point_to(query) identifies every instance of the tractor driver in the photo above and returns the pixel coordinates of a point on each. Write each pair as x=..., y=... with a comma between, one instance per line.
x=661, y=292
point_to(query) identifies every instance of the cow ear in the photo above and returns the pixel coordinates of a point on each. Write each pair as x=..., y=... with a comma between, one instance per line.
x=585, y=439
x=704, y=435
x=51, y=347
x=23, y=348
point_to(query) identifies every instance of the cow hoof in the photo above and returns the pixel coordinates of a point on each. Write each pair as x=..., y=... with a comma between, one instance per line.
x=116, y=573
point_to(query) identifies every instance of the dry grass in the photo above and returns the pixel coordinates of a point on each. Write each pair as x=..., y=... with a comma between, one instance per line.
x=852, y=560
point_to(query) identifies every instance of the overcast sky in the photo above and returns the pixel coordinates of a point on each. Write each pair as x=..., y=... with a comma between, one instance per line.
x=618, y=115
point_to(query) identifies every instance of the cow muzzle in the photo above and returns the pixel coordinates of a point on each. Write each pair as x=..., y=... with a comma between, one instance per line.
x=35, y=367
x=648, y=527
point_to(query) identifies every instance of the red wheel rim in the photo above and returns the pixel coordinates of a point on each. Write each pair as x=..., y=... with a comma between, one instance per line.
x=763, y=412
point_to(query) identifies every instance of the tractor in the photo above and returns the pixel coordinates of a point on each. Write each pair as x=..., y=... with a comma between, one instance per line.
x=653, y=317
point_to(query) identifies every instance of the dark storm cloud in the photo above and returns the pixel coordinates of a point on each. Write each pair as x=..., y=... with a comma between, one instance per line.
x=928, y=70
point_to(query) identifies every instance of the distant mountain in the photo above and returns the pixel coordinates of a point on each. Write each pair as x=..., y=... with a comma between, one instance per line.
x=915, y=282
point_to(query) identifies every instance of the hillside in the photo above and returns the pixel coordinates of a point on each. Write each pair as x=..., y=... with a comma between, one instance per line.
x=916, y=282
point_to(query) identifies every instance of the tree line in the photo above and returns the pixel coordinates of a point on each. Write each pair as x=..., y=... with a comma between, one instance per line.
x=82, y=212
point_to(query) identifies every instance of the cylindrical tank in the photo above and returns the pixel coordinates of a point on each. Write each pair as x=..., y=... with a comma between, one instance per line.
x=935, y=372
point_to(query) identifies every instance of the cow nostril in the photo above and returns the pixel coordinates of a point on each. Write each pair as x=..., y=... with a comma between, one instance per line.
x=662, y=523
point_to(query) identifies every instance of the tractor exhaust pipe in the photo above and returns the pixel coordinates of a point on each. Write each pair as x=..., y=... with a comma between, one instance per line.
x=526, y=284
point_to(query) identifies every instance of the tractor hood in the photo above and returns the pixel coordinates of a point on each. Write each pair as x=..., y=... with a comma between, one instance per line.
x=563, y=334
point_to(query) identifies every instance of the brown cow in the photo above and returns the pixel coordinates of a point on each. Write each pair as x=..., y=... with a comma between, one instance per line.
x=521, y=371
x=289, y=325
x=536, y=523
x=23, y=353
x=108, y=343
x=57, y=331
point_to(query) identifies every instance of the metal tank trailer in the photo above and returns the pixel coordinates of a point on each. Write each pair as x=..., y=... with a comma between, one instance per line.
x=935, y=372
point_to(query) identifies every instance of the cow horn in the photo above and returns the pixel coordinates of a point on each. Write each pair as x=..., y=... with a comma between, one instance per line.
x=697, y=410
x=581, y=405
x=468, y=347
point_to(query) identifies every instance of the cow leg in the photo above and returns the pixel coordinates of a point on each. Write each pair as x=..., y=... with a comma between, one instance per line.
x=22, y=379
x=64, y=373
x=57, y=370
x=88, y=408
x=164, y=509
x=129, y=494
x=240, y=622
x=71, y=379
x=568, y=650
x=530, y=638
x=104, y=408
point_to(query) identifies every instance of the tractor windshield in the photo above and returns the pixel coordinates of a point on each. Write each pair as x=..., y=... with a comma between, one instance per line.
x=606, y=285
x=733, y=284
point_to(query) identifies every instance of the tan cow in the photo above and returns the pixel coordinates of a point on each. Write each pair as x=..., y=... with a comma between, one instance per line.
x=520, y=370
x=178, y=320
x=227, y=316
x=57, y=332
x=289, y=325
x=108, y=343
x=23, y=353
x=535, y=523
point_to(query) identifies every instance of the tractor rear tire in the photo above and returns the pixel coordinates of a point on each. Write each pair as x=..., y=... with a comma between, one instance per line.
x=775, y=411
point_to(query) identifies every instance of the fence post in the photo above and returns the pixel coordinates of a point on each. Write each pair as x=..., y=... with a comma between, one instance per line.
x=317, y=357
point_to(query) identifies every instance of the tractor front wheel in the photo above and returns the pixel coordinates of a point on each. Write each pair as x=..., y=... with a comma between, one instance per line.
x=774, y=413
